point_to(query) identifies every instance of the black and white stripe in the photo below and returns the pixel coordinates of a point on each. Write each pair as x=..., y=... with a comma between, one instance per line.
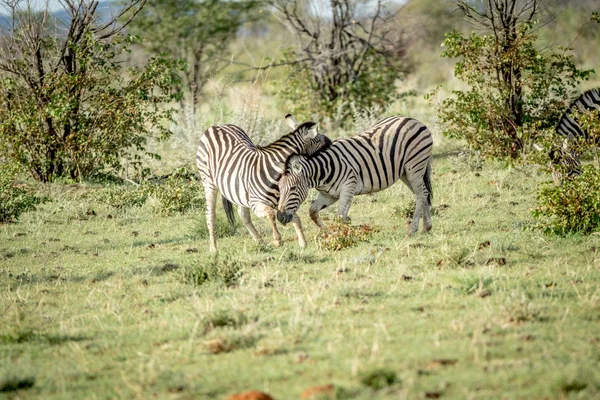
x=563, y=160
x=568, y=125
x=396, y=148
x=248, y=175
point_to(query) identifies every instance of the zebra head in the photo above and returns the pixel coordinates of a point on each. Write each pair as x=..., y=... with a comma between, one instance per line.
x=293, y=188
x=313, y=141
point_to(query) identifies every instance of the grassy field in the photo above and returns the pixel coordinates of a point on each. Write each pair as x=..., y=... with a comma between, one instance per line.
x=109, y=304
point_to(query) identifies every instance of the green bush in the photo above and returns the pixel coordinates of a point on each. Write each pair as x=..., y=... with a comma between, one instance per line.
x=225, y=272
x=14, y=199
x=380, y=378
x=177, y=193
x=515, y=89
x=373, y=87
x=91, y=114
x=573, y=207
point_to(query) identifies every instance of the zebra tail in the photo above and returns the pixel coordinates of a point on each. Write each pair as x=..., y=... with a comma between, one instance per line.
x=427, y=181
x=228, y=206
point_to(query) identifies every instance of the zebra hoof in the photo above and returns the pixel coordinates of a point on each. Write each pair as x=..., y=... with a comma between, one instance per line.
x=278, y=243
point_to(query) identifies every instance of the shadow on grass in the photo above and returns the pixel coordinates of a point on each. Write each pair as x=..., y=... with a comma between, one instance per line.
x=14, y=383
x=28, y=336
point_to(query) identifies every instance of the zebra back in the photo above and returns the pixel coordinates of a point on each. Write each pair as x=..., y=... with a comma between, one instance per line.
x=568, y=125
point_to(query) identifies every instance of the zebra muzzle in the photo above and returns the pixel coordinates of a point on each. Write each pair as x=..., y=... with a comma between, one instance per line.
x=284, y=217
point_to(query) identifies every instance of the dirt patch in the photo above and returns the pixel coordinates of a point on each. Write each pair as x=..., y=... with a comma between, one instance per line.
x=323, y=391
x=250, y=395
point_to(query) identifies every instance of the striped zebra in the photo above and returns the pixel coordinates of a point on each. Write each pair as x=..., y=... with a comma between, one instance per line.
x=247, y=175
x=568, y=125
x=396, y=148
x=563, y=158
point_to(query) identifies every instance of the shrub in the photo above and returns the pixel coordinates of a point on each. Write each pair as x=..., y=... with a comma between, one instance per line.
x=14, y=200
x=78, y=110
x=380, y=378
x=573, y=207
x=226, y=272
x=176, y=193
x=515, y=89
x=339, y=236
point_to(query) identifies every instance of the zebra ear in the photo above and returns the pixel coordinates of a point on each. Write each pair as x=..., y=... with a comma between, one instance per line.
x=296, y=166
x=313, y=132
x=291, y=121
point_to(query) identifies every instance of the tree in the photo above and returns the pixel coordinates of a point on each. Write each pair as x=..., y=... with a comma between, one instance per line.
x=346, y=51
x=196, y=31
x=516, y=90
x=66, y=107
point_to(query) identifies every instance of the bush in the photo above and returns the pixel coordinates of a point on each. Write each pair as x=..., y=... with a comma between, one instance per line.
x=225, y=272
x=176, y=193
x=380, y=378
x=14, y=200
x=573, y=207
x=339, y=236
x=373, y=88
x=514, y=88
x=77, y=119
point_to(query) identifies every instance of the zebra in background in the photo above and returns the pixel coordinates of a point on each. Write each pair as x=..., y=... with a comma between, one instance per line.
x=247, y=175
x=568, y=127
x=396, y=148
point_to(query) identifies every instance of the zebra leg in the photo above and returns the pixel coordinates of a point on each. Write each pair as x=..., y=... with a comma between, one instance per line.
x=263, y=211
x=211, y=201
x=323, y=201
x=346, y=196
x=244, y=213
x=299, y=232
x=418, y=187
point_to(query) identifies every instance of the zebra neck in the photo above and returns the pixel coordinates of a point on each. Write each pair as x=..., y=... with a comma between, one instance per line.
x=320, y=170
x=282, y=149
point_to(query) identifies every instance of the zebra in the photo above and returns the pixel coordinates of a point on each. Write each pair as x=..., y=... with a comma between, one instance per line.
x=396, y=148
x=247, y=175
x=568, y=127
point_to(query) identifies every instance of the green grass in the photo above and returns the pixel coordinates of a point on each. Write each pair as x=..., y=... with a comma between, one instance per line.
x=133, y=306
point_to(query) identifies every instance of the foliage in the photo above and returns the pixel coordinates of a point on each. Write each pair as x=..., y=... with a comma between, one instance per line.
x=339, y=236
x=171, y=27
x=344, y=54
x=373, y=87
x=14, y=200
x=69, y=107
x=514, y=88
x=177, y=193
x=380, y=378
x=573, y=207
x=225, y=272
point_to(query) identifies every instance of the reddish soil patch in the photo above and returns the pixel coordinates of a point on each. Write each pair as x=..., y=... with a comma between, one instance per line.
x=250, y=395
x=327, y=390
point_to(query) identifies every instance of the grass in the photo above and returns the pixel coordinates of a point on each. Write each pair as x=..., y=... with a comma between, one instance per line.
x=132, y=305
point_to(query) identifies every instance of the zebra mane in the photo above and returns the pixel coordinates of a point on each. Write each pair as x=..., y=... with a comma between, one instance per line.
x=305, y=126
x=588, y=100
